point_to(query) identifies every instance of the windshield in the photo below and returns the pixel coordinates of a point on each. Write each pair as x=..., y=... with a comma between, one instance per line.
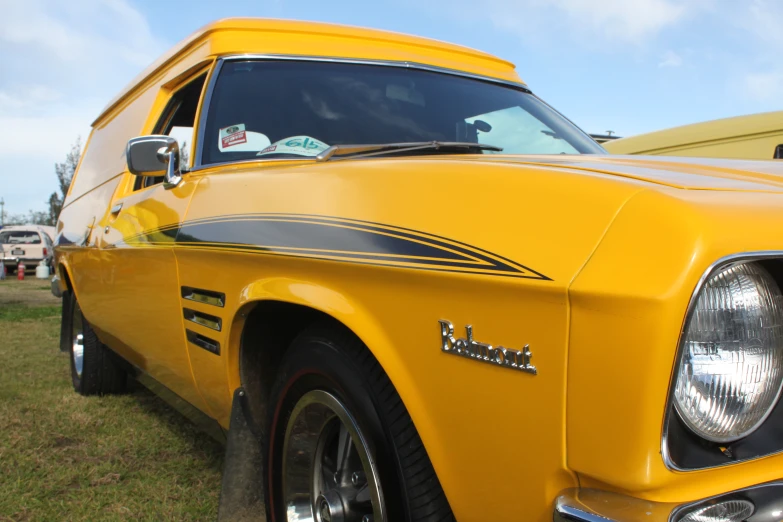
x=283, y=109
x=19, y=237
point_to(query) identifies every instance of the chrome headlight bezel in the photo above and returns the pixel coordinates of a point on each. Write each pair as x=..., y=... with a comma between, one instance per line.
x=674, y=425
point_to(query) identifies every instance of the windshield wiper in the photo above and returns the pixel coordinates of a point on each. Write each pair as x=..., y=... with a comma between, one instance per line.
x=375, y=150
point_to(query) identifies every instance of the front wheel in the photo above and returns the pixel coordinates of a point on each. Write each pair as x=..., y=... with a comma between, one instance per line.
x=342, y=446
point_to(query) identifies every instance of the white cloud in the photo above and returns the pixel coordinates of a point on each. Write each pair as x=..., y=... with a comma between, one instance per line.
x=28, y=24
x=78, y=31
x=764, y=86
x=670, y=59
x=37, y=136
x=761, y=20
x=62, y=62
x=29, y=98
x=605, y=21
x=623, y=20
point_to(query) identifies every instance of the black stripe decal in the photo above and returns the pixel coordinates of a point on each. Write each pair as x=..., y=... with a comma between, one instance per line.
x=204, y=342
x=336, y=239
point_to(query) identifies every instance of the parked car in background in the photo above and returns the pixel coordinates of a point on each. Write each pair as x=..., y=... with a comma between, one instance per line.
x=29, y=244
x=50, y=231
x=756, y=136
x=406, y=289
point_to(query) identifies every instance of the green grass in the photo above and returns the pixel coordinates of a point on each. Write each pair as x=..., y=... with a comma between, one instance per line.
x=67, y=457
x=18, y=313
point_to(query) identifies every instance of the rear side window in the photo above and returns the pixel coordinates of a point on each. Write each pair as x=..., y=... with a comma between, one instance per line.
x=178, y=120
x=778, y=152
x=20, y=237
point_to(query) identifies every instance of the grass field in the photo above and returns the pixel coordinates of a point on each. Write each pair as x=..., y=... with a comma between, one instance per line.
x=67, y=457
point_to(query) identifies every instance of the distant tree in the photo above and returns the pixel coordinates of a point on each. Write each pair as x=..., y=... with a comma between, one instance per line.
x=15, y=219
x=55, y=206
x=64, y=172
x=32, y=217
x=35, y=217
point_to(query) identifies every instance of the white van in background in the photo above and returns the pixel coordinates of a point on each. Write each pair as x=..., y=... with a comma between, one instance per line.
x=28, y=244
x=50, y=231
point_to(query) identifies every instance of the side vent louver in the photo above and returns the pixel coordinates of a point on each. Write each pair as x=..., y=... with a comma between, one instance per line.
x=204, y=296
x=204, y=342
x=205, y=320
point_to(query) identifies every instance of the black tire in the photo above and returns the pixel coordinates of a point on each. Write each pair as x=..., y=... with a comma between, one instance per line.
x=332, y=359
x=102, y=372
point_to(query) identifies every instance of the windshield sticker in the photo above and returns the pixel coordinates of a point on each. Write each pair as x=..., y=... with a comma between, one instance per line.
x=232, y=135
x=299, y=145
x=236, y=138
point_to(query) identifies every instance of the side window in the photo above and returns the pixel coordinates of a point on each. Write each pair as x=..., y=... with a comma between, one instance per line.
x=778, y=152
x=178, y=120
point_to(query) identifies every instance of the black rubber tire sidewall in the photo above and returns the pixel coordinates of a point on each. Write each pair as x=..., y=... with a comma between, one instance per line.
x=101, y=370
x=87, y=383
x=317, y=362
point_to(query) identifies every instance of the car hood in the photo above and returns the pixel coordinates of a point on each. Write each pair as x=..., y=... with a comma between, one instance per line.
x=683, y=173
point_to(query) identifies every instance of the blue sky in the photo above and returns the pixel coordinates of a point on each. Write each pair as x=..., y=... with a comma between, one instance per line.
x=631, y=66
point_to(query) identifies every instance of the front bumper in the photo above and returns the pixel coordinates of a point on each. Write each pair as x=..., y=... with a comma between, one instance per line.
x=29, y=262
x=764, y=502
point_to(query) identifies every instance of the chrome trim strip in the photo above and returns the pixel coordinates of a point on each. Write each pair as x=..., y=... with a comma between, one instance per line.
x=594, y=505
x=382, y=63
x=714, y=267
x=202, y=319
x=202, y=120
x=571, y=513
x=577, y=127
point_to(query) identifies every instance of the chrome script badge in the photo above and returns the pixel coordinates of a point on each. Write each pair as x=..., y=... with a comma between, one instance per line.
x=506, y=357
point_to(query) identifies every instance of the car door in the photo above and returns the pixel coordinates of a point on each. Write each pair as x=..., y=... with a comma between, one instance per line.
x=139, y=267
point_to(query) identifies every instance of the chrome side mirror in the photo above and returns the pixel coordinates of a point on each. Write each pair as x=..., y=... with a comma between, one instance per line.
x=155, y=156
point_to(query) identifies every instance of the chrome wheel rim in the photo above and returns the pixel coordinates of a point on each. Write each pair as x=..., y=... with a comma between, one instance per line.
x=77, y=341
x=329, y=474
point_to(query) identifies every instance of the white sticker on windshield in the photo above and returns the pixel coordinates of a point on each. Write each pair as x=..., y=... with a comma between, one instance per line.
x=232, y=135
x=299, y=145
x=236, y=138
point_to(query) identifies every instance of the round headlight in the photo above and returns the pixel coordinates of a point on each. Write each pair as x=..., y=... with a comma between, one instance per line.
x=731, y=366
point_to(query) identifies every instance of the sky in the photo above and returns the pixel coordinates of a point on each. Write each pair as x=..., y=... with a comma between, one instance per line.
x=630, y=66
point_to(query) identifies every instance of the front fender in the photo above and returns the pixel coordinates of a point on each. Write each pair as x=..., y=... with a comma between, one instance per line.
x=628, y=310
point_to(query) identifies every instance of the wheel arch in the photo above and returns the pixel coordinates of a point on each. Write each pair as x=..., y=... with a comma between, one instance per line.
x=66, y=282
x=274, y=312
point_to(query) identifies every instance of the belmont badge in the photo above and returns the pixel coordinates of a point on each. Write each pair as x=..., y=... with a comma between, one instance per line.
x=471, y=349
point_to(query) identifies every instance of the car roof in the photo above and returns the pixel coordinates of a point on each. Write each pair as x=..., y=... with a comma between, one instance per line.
x=232, y=36
x=698, y=133
x=23, y=228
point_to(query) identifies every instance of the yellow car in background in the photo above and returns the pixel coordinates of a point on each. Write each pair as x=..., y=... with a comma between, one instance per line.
x=404, y=288
x=756, y=136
